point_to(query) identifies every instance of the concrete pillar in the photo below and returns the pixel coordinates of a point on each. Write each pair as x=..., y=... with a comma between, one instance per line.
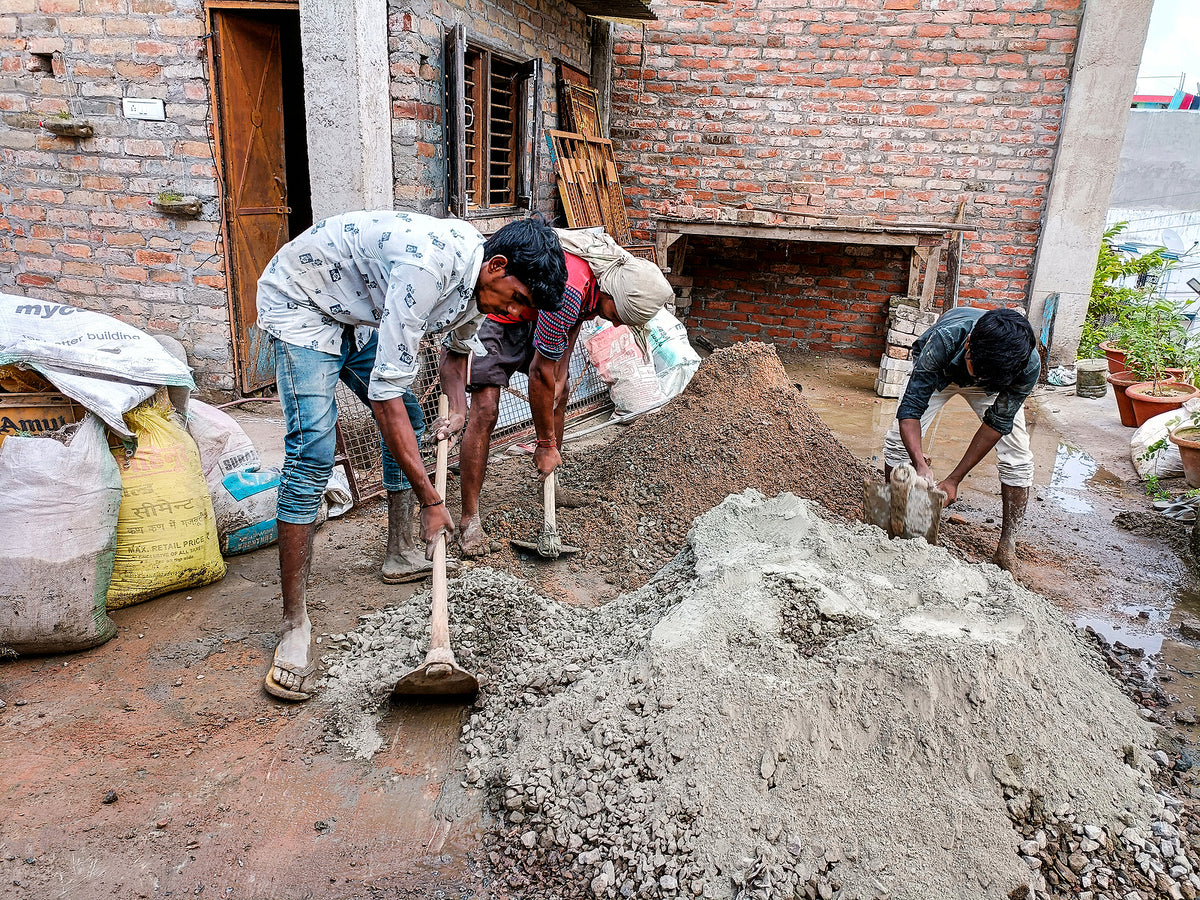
x=1085, y=165
x=347, y=100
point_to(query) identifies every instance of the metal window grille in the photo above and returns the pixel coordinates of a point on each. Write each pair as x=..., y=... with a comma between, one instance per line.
x=359, y=450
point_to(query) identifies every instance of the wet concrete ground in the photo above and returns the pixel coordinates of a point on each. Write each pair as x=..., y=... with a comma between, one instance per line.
x=223, y=792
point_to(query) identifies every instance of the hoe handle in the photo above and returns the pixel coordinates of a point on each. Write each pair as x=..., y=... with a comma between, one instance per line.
x=548, y=501
x=439, y=637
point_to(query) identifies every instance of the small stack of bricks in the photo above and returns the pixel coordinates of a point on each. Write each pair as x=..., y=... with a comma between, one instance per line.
x=906, y=323
x=683, y=295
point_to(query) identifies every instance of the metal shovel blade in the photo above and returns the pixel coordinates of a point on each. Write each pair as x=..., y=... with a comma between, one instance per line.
x=548, y=545
x=436, y=678
x=546, y=552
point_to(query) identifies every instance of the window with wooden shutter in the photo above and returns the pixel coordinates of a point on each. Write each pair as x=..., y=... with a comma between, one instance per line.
x=493, y=116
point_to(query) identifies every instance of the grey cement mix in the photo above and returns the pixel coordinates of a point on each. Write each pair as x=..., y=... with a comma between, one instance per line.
x=791, y=707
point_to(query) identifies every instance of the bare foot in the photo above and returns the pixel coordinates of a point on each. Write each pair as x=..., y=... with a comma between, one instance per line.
x=472, y=538
x=292, y=662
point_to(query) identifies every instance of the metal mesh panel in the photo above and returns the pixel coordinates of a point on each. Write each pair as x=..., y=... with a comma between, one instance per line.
x=358, y=439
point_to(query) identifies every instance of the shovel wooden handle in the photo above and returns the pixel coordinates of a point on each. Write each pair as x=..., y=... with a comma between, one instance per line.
x=439, y=637
x=548, y=502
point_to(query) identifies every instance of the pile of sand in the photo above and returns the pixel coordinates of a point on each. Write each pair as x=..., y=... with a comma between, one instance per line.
x=792, y=707
x=739, y=424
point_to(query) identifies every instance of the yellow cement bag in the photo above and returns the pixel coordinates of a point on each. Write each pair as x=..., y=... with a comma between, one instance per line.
x=166, y=530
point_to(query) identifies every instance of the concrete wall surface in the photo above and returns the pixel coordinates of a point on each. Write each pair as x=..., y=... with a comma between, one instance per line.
x=1159, y=168
x=1157, y=193
x=1102, y=86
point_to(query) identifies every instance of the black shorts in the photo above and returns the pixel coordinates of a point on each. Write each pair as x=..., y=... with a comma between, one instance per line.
x=509, y=349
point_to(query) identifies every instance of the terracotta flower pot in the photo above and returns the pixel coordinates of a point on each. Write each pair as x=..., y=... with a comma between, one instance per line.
x=1120, y=381
x=1115, y=357
x=1168, y=395
x=1188, y=441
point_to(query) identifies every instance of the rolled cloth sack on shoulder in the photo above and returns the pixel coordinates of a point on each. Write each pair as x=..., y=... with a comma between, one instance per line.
x=638, y=287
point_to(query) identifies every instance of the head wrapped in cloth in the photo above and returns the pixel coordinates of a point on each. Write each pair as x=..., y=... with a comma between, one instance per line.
x=638, y=287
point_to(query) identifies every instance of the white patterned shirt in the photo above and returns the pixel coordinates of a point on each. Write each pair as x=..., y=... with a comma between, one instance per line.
x=404, y=273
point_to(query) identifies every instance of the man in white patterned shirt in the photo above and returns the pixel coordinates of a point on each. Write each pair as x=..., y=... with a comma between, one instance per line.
x=351, y=299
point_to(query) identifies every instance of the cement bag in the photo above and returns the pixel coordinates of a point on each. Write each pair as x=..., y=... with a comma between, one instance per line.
x=675, y=362
x=613, y=347
x=635, y=388
x=1151, y=452
x=58, y=526
x=95, y=359
x=244, y=504
x=166, y=534
x=224, y=447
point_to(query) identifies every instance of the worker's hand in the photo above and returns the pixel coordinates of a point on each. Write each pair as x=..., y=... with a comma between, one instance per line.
x=435, y=520
x=447, y=428
x=925, y=472
x=950, y=489
x=547, y=459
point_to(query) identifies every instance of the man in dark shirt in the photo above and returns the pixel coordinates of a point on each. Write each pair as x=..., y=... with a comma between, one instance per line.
x=991, y=360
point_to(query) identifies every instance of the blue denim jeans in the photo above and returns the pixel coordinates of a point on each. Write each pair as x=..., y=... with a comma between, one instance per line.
x=306, y=380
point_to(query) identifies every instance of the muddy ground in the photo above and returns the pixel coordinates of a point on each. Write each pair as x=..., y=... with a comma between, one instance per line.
x=217, y=790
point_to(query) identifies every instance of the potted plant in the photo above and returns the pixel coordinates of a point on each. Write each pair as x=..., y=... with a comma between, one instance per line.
x=1111, y=296
x=174, y=203
x=1154, y=338
x=1187, y=438
x=1090, y=363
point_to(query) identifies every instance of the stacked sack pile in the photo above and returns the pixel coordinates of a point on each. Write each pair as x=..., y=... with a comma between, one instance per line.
x=109, y=473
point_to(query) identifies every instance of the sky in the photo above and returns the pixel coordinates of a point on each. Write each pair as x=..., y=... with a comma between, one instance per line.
x=1172, y=47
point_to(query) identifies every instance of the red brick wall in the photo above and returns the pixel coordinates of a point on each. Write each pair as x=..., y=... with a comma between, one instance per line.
x=885, y=107
x=75, y=220
x=826, y=298
x=75, y=224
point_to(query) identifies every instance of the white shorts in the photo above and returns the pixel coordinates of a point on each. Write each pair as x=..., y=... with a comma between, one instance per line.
x=1013, y=456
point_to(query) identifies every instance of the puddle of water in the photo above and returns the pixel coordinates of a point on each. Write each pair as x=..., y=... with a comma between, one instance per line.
x=1072, y=471
x=1149, y=642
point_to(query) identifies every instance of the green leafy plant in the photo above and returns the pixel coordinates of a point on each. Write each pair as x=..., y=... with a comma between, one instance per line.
x=1153, y=334
x=1155, y=490
x=169, y=196
x=1110, y=300
x=1149, y=452
x=64, y=114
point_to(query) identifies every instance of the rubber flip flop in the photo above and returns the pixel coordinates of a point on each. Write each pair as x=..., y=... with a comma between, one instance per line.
x=275, y=689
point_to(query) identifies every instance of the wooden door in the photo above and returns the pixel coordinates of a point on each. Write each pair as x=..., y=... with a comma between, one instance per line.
x=249, y=81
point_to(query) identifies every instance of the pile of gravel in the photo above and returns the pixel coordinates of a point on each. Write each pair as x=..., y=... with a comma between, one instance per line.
x=790, y=708
x=739, y=424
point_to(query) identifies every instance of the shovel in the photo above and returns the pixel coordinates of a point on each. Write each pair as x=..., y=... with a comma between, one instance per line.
x=440, y=673
x=908, y=507
x=548, y=544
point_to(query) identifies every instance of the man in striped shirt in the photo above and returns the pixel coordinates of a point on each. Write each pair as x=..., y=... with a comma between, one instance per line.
x=539, y=344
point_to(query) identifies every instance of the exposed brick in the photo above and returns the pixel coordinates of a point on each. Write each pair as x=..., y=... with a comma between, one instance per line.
x=862, y=108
